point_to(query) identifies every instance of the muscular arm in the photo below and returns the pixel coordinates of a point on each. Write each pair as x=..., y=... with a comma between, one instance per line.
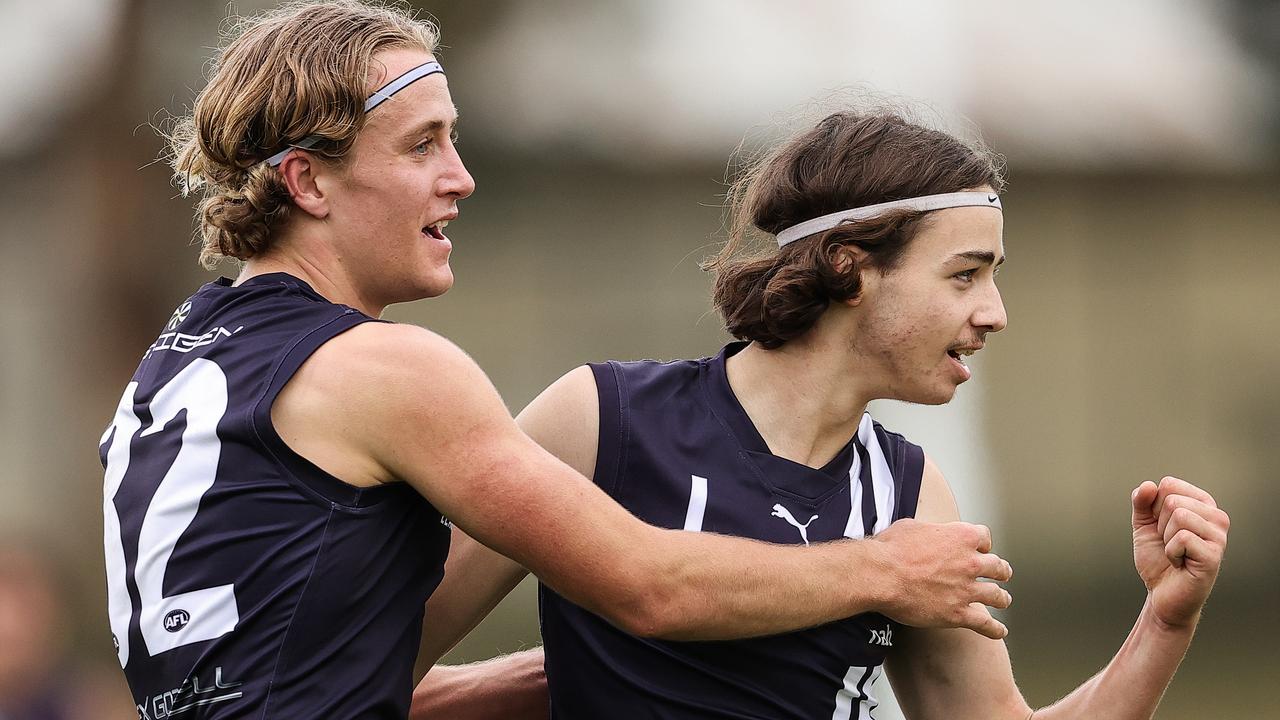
x=419, y=410
x=939, y=673
x=564, y=420
x=403, y=404
x=949, y=673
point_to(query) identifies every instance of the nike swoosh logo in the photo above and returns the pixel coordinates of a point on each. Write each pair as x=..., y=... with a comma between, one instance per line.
x=991, y=198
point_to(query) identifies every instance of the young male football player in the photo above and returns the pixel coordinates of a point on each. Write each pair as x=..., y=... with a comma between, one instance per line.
x=881, y=280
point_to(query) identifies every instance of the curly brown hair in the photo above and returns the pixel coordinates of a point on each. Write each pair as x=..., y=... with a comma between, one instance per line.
x=299, y=70
x=847, y=160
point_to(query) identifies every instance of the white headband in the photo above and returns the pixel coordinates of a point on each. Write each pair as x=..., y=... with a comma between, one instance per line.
x=378, y=97
x=917, y=204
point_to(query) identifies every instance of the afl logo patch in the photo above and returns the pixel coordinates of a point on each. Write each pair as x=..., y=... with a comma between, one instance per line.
x=178, y=316
x=176, y=620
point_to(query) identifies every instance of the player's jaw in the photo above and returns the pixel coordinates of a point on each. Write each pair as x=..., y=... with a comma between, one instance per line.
x=933, y=370
x=400, y=257
x=921, y=355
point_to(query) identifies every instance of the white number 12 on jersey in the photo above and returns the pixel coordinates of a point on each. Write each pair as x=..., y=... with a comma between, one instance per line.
x=196, y=615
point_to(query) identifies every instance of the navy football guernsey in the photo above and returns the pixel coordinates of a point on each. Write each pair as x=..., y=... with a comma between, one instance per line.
x=243, y=581
x=678, y=451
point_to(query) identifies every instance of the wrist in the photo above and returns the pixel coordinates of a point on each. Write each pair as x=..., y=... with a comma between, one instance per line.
x=879, y=584
x=1164, y=626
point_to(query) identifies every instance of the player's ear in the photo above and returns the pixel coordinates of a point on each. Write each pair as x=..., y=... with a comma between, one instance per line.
x=301, y=175
x=850, y=260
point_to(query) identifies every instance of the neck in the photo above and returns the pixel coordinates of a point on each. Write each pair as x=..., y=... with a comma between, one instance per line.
x=803, y=398
x=319, y=268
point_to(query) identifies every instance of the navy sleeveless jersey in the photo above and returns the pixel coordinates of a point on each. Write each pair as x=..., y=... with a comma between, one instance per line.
x=678, y=451
x=243, y=581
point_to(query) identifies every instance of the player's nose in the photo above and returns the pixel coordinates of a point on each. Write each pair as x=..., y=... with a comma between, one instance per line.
x=456, y=180
x=990, y=314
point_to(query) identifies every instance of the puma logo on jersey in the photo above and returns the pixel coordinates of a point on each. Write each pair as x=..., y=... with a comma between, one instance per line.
x=781, y=512
x=882, y=637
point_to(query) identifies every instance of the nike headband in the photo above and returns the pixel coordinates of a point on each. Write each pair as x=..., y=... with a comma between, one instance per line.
x=378, y=97
x=917, y=204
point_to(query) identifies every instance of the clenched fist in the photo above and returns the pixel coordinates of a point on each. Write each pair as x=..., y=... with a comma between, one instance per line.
x=1179, y=536
x=938, y=571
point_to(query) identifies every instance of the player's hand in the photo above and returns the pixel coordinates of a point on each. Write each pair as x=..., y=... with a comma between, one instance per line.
x=938, y=569
x=1179, y=536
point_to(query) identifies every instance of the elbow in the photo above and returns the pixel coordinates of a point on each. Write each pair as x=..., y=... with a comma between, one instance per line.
x=654, y=615
x=670, y=609
x=654, y=594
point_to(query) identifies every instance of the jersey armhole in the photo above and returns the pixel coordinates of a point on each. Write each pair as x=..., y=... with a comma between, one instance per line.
x=906, y=465
x=312, y=480
x=611, y=446
x=910, y=460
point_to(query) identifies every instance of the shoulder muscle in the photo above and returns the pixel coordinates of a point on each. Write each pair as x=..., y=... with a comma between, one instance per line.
x=565, y=419
x=937, y=503
x=383, y=392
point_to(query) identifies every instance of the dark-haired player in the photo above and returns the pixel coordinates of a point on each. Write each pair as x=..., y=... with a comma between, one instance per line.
x=889, y=237
x=280, y=466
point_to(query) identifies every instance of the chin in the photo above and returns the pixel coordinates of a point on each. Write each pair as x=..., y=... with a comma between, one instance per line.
x=940, y=395
x=438, y=283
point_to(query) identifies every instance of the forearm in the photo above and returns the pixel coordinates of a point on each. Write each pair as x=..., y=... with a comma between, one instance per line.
x=510, y=687
x=705, y=593
x=919, y=574
x=475, y=581
x=1131, y=685
x=658, y=582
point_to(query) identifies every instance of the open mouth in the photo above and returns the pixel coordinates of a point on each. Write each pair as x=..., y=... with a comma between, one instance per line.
x=436, y=230
x=957, y=355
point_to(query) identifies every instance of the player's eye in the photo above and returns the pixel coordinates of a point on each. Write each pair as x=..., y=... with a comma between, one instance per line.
x=453, y=136
x=966, y=275
x=423, y=147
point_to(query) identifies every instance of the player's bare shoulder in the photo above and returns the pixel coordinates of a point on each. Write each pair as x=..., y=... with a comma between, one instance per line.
x=937, y=502
x=369, y=383
x=565, y=419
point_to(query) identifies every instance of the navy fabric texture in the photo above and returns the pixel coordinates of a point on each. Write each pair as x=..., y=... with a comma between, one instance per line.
x=329, y=579
x=665, y=429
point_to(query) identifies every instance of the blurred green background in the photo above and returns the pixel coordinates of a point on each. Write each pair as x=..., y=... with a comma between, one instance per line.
x=1142, y=140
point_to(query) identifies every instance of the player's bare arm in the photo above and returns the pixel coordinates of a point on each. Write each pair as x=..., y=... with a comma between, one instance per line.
x=938, y=564
x=918, y=573
x=1179, y=538
x=427, y=415
x=512, y=686
x=477, y=578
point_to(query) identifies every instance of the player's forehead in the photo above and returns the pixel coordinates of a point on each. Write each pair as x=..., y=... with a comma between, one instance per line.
x=423, y=103
x=953, y=232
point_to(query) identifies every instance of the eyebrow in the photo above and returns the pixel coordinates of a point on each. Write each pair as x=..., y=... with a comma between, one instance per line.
x=983, y=256
x=429, y=127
